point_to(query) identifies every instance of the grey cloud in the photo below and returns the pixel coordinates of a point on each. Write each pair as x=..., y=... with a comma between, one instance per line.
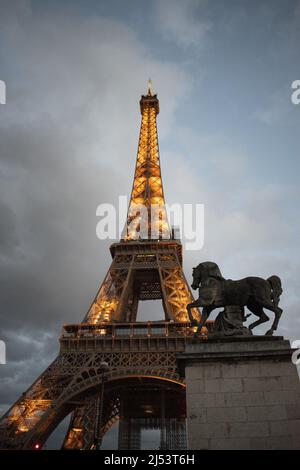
x=182, y=22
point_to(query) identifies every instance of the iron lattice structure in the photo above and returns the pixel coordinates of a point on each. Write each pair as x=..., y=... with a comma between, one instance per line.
x=141, y=356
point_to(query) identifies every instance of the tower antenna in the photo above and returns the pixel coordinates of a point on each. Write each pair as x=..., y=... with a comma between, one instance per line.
x=150, y=87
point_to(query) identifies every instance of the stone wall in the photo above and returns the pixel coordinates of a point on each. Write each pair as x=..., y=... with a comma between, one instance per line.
x=242, y=393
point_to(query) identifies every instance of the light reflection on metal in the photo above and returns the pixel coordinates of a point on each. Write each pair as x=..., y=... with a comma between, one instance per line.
x=26, y=413
x=105, y=305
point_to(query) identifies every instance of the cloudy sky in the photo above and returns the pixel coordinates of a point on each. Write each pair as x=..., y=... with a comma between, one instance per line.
x=228, y=133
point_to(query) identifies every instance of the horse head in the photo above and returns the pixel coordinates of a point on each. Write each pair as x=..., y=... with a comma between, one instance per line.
x=204, y=272
x=196, y=277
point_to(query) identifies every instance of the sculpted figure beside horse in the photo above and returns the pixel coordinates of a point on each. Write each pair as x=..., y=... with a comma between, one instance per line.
x=255, y=293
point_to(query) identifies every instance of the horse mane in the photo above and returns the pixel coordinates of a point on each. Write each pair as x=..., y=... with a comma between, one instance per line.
x=212, y=269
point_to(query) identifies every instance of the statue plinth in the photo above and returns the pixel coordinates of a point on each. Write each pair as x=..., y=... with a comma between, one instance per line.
x=242, y=393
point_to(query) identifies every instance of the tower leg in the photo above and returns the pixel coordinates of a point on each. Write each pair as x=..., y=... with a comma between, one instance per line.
x=80, y=432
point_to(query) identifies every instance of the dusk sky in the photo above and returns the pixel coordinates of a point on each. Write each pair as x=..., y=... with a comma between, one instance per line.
x=228, y=134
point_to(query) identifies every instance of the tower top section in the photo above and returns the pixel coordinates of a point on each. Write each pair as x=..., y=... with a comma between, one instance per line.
x=149, y=100
x=147, y=216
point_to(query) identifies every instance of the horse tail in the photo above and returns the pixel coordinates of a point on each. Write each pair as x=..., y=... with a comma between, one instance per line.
x=275, y=283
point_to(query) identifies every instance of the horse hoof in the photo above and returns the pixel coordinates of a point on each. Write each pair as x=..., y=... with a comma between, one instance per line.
x=269, y=333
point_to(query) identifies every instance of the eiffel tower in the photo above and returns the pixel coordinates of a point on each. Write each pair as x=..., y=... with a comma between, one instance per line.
x=142, y=387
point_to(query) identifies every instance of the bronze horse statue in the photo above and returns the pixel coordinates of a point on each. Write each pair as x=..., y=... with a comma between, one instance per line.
x=255, y=293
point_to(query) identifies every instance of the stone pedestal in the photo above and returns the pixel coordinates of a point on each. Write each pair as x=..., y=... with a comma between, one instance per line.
x=242, y=393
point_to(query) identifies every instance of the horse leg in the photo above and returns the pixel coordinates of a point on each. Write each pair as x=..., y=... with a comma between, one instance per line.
x=259, y=312
x=189, y=307
x=277, y=318
x=277, y=311
x=205, y=314
x=195, y=304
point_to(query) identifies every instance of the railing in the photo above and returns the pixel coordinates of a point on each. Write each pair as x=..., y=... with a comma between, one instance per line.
x=130, y=330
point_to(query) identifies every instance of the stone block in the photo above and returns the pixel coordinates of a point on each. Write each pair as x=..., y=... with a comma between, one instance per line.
x=229, y=369
x=266, y=413
x=254, y=384
x=269, y=383
x=229, y=414
x=230, y=444
x=197, y=443
x=279, y=428
x=293, y=411
x=202, y=399
x=197, y=415
x=253, y=429
x=244, y=398
x=277, y=368
x=194, y=373
x=271, y=443
x=212, y=371
x=290, y=382
x=296, y=442
x=220, y=399
x=294, y=427
x=213, y=385
x=196, y=386
x=282, y=397
x=223, y=385
x=208, y=430
x=240, y=369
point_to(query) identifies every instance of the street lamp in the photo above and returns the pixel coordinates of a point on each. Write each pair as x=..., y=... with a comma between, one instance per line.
x=99, y=408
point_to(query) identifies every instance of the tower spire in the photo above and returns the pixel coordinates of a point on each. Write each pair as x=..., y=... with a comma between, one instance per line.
x=147, y=216
x=150, y=87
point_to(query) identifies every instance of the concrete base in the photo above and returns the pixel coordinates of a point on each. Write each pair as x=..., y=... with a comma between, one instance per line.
x=242, y=393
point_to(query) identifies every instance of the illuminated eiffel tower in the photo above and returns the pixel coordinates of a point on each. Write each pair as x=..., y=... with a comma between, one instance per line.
x=142, y=387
